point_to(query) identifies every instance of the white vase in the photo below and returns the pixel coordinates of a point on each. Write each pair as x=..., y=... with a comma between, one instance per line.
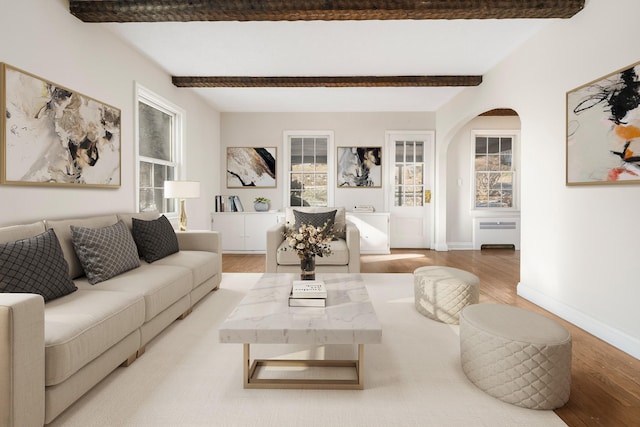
x=261, y=207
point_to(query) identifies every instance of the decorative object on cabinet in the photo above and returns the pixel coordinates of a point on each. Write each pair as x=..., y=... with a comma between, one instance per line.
x=52, y=135
x=359, y=167
x=261, y=204
x=603, y=130
x=182, y=190
x=251, y=167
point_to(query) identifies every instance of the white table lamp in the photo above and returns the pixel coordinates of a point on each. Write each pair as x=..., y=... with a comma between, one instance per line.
x=182, y=190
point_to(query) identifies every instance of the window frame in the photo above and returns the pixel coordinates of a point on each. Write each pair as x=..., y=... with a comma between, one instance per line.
x=154, y=100
x=331, y=167
x=515, y=162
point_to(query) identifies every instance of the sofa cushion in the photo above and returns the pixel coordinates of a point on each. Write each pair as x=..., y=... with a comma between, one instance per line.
x=316, y=219
x=159, y=285
x=105, y=252
x=155, y=239
x=203, y=265
x=81, y=326
x=63, y=231
x=339, y=254
x=340, y=224
x=35, y=265
x=17, y=232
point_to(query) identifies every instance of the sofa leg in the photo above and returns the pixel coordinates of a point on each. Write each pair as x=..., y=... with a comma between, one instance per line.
x=130, y=360
x=141, y=351
x=186, y=313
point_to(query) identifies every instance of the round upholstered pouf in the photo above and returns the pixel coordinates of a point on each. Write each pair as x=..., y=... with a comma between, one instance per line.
x=516, y=355
x=441, y=292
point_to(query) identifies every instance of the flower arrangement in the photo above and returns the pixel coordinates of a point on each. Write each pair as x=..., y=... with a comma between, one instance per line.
x=308, y=240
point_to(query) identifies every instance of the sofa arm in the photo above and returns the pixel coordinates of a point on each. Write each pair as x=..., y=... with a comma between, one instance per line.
x=353, y=243
x=275, y=237
x=200, y=240
x=21, y=360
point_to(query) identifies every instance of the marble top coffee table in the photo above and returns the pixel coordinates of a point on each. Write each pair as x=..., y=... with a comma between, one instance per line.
x=264, y=317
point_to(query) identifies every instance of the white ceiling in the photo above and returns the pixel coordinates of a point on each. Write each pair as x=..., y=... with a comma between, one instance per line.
x=328, y=48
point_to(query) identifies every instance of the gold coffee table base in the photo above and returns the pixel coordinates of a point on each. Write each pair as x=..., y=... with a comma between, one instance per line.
x=250, y=369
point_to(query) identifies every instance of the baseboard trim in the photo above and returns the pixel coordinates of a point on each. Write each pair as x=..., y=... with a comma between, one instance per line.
x=613, y=336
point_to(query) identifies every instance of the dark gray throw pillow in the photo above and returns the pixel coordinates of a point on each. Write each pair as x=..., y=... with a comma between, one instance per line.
x=317, y=219
x=155, y=239
x=105, y=252
x=35, y=265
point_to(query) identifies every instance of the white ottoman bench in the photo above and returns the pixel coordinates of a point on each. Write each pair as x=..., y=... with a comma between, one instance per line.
x=516, y=355
x=441, y=292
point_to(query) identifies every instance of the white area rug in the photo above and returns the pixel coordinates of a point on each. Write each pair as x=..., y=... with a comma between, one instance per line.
x=187, y=378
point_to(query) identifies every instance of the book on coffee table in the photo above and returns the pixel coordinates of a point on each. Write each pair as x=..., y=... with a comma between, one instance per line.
x=308, y=289
x=307, y=302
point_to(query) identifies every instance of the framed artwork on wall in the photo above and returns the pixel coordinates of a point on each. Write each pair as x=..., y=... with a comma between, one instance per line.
x=603, y=130
x=52, y=135
x=251, y=167
x=359, y=167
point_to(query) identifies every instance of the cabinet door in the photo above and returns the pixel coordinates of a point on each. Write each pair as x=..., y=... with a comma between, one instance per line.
x=255, y=230
x=231, y=227
x=374, y=232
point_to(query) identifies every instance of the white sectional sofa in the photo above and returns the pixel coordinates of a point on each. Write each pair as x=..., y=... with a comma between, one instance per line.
x=52, y=353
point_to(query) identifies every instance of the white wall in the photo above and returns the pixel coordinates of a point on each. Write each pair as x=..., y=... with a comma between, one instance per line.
x=350, y=129
x=43, y=38
x=579, y=244
x=460, y=211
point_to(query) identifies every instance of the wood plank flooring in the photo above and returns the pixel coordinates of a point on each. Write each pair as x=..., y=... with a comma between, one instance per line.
x=605, y=387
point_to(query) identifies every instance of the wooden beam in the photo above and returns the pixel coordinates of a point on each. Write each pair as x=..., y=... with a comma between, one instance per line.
x=307, y=10
x=326, y=81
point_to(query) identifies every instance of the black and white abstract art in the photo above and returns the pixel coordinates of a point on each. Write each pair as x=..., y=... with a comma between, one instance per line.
x=359, y=167
x=251, y=167
x=52, y=135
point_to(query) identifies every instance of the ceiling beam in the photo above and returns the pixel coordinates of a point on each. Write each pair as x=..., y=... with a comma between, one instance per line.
x=308, y=10
x=326, y=81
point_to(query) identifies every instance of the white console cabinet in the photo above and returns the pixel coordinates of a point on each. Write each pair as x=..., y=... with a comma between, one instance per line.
x=243, y=231
x=374, y=231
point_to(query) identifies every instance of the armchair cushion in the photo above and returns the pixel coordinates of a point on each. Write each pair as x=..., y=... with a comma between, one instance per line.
x=316, y=219
x=340, y=222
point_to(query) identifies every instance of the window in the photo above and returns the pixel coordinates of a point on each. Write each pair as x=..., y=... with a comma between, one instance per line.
x=309, y=180
x=409, y=173
x=494, y=170
x=159, y=150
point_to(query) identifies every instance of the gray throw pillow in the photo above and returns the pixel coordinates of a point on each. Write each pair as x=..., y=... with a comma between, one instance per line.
x=155, y=239
x=317, y=219
x=35, y=265
x=105, y=252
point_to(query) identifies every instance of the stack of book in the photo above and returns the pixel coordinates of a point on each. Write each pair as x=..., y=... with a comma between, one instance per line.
x=308, y=293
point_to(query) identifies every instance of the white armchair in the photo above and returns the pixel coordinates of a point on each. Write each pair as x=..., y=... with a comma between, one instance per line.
x=345, y=256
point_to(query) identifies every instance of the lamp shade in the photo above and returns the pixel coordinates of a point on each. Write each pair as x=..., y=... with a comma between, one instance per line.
x=181, y=189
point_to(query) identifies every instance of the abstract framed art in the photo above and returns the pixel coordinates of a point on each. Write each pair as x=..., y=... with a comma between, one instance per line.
x=603, y=130
x=359, y=167
x=251, y=167
x=51, y=135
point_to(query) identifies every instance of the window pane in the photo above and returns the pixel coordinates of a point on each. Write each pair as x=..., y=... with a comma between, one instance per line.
x=481, y=163
x=481, y=145
x=398, y=179
x=155, y=133
x=409, y=174
x=493, y=145
x=419, y=151
x=505, y=162
x=145, y=174
x=505, y=145
x=410, y=149
x=399, y=151
x=419, y=176
x=296, y=153
x=397, y=200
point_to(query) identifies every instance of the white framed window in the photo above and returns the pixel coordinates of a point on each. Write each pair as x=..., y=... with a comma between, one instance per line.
x=308, y=157
x=494, y=169
x=159, y=141
x=409, y=173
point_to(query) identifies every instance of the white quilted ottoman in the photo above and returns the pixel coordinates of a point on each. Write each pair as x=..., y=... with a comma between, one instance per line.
x=516, y=355
x=441, y=292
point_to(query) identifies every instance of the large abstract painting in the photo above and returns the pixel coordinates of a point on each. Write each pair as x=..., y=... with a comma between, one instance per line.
x=359, y=167
x=251, y=167
x=52, y=135
x=603, y=130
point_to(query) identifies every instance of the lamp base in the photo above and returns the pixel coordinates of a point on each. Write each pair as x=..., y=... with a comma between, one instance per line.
x=182, y=219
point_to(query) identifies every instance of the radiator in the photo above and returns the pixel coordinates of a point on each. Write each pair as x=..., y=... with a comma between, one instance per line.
x=496, y=231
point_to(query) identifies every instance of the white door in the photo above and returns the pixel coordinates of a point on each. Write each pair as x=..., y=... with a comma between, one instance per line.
x=408, y=197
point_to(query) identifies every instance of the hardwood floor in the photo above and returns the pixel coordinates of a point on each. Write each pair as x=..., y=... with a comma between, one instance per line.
x=605, y=382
